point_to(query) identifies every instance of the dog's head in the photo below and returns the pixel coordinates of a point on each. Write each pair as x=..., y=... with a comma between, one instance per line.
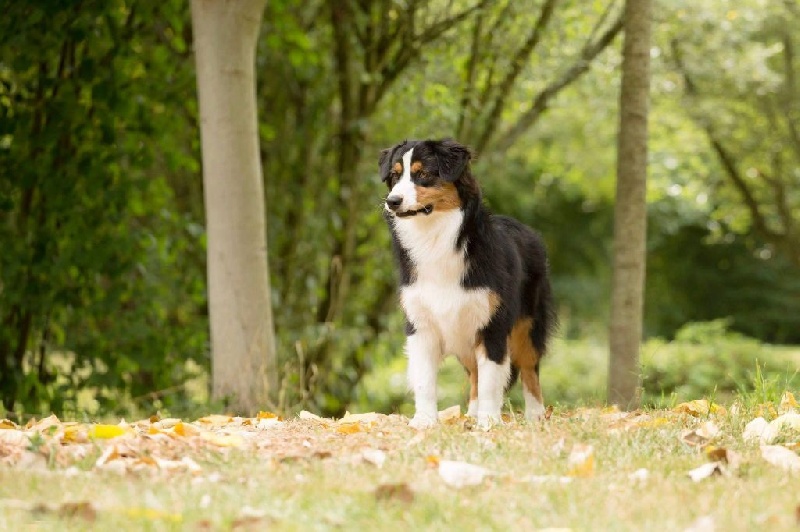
x=423, y=176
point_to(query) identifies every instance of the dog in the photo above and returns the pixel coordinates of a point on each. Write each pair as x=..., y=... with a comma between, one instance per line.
x=472, y=284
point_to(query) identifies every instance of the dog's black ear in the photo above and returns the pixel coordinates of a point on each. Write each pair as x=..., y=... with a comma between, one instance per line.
x=385, y=164
x=452, y=157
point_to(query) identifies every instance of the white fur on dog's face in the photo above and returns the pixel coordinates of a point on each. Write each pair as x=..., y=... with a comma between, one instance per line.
x=405, y=186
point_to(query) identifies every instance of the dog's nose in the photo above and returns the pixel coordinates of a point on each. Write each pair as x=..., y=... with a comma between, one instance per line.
x=394, y=201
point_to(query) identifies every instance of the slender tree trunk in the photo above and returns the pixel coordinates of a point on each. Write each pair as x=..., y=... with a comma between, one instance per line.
x=242, y=335
x=630, y=209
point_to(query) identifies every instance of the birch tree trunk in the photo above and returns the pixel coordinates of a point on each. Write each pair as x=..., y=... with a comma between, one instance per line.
x=242, y=335
x=630, y=209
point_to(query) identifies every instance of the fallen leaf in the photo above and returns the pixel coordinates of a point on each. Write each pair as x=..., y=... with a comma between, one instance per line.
x=84, y=509
x=349, y=428
x=266, y=415
x=700, y=435
x=706, y=470
x=640, y=475
x=702, y=524
x=14, y=438
x=223, y=440
x=699, y=407
x=306, y=415
x=788, y=402
x=548, y=412
x=755, y=429
x=780, y=456
x=214, y=419
x=720, y=454
x=375, y=457
x=7, y=424
x=461, y=474
x=450, y=414
x=369, y=417
x=581, y=461
x=394, y=492
x=432, y=460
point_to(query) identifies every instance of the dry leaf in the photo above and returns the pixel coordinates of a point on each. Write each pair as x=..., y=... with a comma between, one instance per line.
x=375, y=457
x=700, y=435
x=213, y=419
x=450, y=414
x=544, y=479
x=394, y=492
x=699, y=407
x=706, y=470
x=581, y=461
x=720, y=454
x=640, y=475
x=432, y=460
x=306, y=415
x=369, y=417
x=780, y=456
x=7, y=424
x=106, y=432
x=223, y=440
x=349, y=428
x=14, y=438
x=702, y=524
x=461, y=474
x=788, y=402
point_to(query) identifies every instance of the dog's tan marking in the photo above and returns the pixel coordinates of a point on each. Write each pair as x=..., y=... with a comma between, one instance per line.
x=471, y=365
x=416, y=167
x=525, y=357
x=443, y=197
x=398, y=167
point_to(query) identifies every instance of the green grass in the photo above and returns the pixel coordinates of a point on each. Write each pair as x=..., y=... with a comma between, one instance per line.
x=307, y=476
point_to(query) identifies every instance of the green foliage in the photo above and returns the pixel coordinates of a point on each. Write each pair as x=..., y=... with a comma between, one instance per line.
x=707, y=358
x=93, y=286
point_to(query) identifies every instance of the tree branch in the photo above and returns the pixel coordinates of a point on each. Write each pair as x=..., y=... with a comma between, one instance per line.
x=542, y=100
x=517, y=64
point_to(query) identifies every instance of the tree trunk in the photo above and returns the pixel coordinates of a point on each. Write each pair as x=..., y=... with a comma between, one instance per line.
x=242, y=334
x=630, y=209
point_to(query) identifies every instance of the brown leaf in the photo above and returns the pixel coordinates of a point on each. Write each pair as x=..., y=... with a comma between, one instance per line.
x=548, y=412
x=699, y=407
x=7, y=424
x=394, y=492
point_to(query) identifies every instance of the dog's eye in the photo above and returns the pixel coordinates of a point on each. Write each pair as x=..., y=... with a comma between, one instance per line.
x=394, y=178
x=425, y=179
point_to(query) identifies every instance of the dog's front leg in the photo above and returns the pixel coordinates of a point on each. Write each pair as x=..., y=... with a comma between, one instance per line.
x=494, y=366
x=424, y=354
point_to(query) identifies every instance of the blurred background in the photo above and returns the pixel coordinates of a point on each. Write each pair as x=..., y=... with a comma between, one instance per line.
x=102, y=245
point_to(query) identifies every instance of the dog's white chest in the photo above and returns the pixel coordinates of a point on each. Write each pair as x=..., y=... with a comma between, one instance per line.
x=436, y=302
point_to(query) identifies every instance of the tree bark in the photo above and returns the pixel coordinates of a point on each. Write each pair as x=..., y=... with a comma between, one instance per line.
x=242, y=334
x=630, y=209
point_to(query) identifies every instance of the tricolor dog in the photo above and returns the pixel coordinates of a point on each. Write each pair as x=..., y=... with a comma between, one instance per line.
x=472, y=284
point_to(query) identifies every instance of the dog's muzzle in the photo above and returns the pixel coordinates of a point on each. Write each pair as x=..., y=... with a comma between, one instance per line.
x=427, y=209
x=393, y=203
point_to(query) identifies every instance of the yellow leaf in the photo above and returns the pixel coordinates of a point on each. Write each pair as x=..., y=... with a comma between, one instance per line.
x=369, y=417
x=216, y=419
x=788, y=402
x=180, y=429
x=653, y=423
x=432, y=460
x=7, y=424
x=767, y=411
x=349, y=428
x=71, y=434
x=266, y=415
x=106, y=432
x=223, y=440
x=699, y=407
x=581, y=460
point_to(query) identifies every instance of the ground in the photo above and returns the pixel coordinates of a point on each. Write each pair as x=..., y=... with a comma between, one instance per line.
x=580, y=469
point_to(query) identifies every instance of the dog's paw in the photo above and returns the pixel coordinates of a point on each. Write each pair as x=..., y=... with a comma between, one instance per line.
x=472, y=408
x=422, y=421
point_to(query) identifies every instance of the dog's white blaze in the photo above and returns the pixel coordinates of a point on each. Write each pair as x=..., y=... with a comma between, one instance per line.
x=445, y=315
x=492, y=380
x=533, y=408
x=405, y=187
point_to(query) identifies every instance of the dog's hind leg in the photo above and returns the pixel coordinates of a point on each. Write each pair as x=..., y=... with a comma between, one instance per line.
x=494, y=367
x=526, y=357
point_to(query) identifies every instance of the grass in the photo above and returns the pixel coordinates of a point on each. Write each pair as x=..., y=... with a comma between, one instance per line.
x=305, y=475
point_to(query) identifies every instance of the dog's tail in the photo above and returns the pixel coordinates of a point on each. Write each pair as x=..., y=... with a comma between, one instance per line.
x=545, y=319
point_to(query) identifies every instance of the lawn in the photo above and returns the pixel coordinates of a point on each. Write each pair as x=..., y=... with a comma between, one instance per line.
x=580, y=469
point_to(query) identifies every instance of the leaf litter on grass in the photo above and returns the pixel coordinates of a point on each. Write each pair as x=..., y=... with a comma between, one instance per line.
x=172, y=446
